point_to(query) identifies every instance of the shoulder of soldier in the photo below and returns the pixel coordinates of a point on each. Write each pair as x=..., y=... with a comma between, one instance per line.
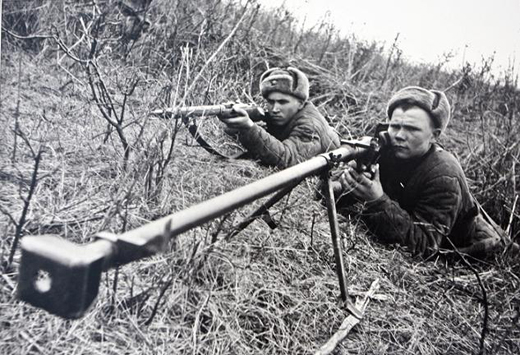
x=309, y=116
x=444, y=157
x=311, y=110
x=443, y=163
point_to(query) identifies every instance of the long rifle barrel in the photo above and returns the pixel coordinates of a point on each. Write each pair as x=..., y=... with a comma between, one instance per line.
x=63, y=278
x=256, y=113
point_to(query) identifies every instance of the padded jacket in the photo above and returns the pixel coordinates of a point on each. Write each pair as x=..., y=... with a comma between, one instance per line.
x=306, y=135
x=425, y=201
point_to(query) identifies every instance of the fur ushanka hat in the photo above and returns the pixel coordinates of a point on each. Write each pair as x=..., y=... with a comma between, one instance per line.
x=288, y=81
x=432, y=101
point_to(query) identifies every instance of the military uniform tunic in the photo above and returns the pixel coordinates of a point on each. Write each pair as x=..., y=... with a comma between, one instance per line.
x=306, y=135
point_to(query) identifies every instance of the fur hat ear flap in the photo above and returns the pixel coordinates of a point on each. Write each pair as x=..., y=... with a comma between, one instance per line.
x=289, y=81
x=432, y=101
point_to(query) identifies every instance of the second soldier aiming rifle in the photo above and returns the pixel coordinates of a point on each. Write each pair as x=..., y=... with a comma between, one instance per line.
x=256, y=113
x=63, y=277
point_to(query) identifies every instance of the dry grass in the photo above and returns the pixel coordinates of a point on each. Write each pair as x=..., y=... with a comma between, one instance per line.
x=263, y=291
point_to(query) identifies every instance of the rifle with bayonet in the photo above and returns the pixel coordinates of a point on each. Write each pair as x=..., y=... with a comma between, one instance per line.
x=187, y=113
x=63, y=278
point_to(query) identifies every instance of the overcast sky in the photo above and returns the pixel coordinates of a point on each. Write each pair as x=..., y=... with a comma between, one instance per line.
x=427, y=28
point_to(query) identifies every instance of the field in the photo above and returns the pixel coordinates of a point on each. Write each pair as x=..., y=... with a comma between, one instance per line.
x=80, y=154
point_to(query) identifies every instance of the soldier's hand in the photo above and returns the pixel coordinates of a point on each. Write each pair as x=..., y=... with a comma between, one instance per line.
x=239, y=121
x=365, y=186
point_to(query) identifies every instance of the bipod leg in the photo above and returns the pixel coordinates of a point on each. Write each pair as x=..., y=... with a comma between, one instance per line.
x=263, y=210
x=336, y=243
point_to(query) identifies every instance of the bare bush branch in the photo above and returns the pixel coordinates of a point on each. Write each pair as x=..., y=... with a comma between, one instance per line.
x=27, y=201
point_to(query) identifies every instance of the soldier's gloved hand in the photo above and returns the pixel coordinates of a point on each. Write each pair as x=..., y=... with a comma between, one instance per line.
x=365, y=186
x=240, y=121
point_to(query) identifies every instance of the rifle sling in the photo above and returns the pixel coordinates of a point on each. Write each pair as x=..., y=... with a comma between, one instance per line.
x=194, y=131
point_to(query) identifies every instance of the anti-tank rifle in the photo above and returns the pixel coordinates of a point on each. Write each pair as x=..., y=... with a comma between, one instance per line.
x=63, y=278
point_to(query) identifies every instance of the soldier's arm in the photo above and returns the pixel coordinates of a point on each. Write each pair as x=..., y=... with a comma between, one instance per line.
x=302, y=144
x=423, y=229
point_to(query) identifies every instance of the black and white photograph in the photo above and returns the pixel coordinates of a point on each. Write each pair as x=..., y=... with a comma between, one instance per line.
x=259, y=177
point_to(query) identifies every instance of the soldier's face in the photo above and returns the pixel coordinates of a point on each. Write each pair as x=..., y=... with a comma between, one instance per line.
x=411, y=132
x=282, y=108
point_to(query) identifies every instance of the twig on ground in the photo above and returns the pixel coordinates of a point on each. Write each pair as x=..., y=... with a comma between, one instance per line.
x=197, y=322
x=165, y=287
x=349, y=322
